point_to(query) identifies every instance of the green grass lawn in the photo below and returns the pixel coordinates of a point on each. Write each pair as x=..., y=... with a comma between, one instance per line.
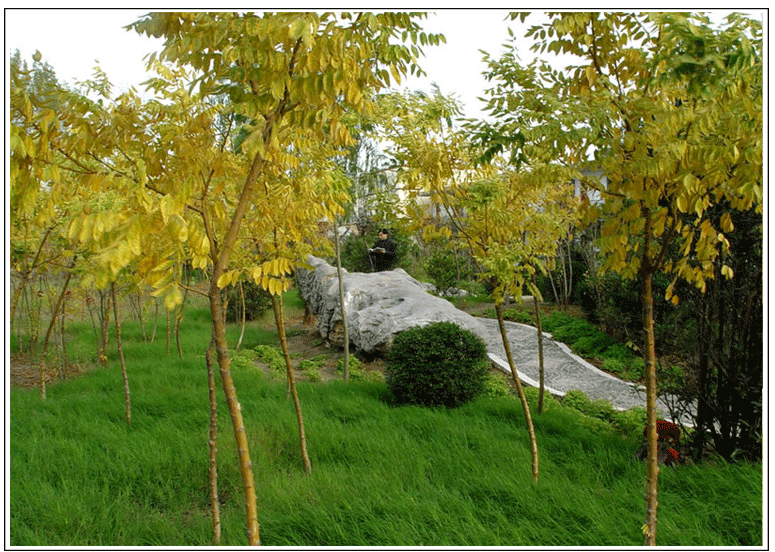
x=382, y=475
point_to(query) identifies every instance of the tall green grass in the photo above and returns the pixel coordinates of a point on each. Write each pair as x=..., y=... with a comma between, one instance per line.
x=382, y=475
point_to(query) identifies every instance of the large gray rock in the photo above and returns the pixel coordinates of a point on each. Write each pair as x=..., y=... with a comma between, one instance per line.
x=379, y=306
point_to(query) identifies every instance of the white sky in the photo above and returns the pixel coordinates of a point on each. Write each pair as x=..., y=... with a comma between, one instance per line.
x=70, y=40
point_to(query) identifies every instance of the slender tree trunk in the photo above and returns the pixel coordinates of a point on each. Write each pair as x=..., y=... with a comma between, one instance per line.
x=62, y=321
x=646, y=270
x=554, y=289
x=168, y=332
x=178, y=320
x=140, y=314
x=213, y=442
x=537, y=310
x=235, y=412
x=104, y=314
x=27, y=274
x=54, y=315
x=121, y=354
x=569, y=288
x=520, y=390
x=155, y=319
x=242, y=302
x=346, y=337
x=277, y=304
x=220, y=264
x=89, y=302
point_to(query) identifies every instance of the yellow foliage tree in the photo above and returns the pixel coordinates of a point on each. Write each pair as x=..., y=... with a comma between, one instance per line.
x=670, y=110
x=510, y=221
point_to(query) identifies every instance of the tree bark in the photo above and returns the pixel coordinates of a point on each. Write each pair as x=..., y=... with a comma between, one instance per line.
x=277, y=304
x=62, y=321
x=646, y=271
x=346, y=336
x=235, y=412
x=127, y=403
x=140, y=313
x=520, y=391
x=242, y=326
x=27, y=274
x=537, y=311
x=57, y=308
x=155, y=319
x=213, y=443
x=104, y=314
x=178, y=320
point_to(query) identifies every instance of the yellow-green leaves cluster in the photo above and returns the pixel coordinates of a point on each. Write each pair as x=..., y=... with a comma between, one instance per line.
x=228, y=166
x=656, y=97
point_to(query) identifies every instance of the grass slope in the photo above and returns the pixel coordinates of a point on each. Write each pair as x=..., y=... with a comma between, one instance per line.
x=382, y=476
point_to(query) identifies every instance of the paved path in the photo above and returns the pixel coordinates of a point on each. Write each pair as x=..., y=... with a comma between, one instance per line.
x=563, y=370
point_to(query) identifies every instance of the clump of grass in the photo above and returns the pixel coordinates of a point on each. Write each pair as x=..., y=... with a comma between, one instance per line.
x=497, y=385
x=311, y=367
x=630, y=421
x=272, y=356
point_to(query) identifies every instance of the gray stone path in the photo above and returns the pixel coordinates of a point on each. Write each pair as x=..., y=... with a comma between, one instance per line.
x=563, y=370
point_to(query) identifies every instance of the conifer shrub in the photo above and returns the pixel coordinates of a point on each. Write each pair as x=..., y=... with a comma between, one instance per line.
x=440, y=364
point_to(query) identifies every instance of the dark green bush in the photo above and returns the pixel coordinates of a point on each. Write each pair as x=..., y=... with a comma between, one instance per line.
x=573, y=331
x=439, y=364
x=619, y=352
x=555, y=320
x=257, y=302
x=440, y=267
x=592, y=345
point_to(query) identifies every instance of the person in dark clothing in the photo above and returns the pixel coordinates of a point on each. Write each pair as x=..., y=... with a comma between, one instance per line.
x=383, y=252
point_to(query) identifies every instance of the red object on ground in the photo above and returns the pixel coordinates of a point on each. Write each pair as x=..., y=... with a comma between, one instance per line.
x=666, y=431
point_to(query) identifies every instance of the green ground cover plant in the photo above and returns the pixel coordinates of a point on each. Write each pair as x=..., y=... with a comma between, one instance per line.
x=384, y=475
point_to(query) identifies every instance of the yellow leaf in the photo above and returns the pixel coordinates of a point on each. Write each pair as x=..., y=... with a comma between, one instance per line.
x=681, y=203
x=74, y=229
x=171, y=300
x=178, y=228
x=698, y=208
x=395, y=73
x=727, y=271
x=726, y=223
x=86, y=228
x=591, y=74
x=224, y=279
x=165, y=207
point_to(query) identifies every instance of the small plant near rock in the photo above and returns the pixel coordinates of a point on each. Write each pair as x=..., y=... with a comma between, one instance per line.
x=355, y=369
x=496, y=385
x=272, y=356
x=244, y=359
x=627, y=421
x=439, y=364
x=311, y=367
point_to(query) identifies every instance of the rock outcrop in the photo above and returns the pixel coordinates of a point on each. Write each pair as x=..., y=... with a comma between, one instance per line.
x=378, y=305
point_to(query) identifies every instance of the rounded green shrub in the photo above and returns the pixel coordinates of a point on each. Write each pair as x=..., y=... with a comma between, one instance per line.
x=439, y=364
x=257, y=302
